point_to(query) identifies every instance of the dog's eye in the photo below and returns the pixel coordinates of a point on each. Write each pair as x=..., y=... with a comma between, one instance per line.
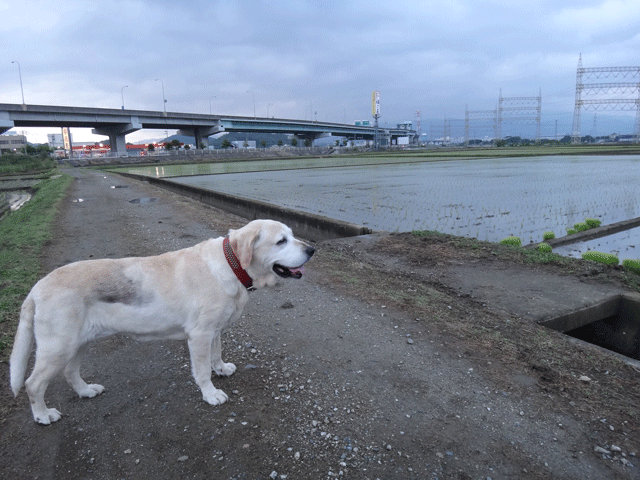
x=282, y=242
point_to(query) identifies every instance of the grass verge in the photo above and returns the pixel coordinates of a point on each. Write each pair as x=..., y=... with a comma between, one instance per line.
x=23, y=234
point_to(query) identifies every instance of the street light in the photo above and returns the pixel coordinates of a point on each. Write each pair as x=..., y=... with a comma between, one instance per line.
x=212, y=97
x=268, y=109
x=122, y=95
x=164, y=100
x=20, y=75
x=254, y=102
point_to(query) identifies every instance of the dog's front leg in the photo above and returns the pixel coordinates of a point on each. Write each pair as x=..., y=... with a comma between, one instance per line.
x=221, y=368
x=200, y=352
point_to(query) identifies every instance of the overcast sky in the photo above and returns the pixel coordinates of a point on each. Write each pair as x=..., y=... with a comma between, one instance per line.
x=302, y=57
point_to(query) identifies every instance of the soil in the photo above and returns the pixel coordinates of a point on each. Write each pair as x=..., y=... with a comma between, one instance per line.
x=395, y=357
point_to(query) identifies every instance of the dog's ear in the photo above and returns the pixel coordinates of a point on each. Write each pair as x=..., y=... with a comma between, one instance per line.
x=242, y=242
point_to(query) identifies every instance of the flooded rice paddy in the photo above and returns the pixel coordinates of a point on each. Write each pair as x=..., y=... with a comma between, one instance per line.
x=489, y=199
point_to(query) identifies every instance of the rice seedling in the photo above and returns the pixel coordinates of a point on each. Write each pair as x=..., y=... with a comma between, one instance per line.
x=544, y=247
x=592, y=222
x=601, y=257
x=512, y=240
x=548, y=236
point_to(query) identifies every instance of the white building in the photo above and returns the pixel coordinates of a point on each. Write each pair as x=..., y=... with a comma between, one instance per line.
x=12, y=143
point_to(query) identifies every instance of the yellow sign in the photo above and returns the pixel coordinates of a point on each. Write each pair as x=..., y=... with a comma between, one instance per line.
x=375, y=103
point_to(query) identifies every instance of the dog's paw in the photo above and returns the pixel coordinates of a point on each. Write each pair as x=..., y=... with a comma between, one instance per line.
x=226, y=369
x=91, y=390
x=216, y=397
x=47, y=417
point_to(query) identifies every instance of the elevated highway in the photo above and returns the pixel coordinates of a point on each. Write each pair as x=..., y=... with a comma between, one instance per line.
x=115, y=123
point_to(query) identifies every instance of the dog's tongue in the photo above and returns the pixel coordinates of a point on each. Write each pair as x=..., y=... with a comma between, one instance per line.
x=296, y=272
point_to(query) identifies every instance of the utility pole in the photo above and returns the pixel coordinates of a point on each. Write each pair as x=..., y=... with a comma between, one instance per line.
x=605, y=94
x=375, y=110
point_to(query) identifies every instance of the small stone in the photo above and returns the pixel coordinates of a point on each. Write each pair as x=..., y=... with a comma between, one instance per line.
x=601, y=450
x=183, y=458
x=409, y=341
x=127, y=451
x=274, y=475
x=296, y=455
x=615, y=448
x=584, y=378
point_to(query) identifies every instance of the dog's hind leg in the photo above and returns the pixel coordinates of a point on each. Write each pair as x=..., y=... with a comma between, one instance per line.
x=47, y=366
x=221, y=368
x=200, y=351
x=72, y=374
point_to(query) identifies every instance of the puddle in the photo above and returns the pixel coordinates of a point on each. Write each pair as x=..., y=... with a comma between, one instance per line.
x=613, y=324
x=143, y=200
x=17, y=200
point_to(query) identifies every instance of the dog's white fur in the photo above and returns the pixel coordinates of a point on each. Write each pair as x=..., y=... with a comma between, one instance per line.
x=187, y=294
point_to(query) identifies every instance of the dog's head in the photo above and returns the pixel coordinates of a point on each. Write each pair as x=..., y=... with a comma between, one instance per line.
x=267, y=250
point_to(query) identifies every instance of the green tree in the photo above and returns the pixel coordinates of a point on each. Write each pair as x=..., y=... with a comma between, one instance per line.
x=225, y=143
x=263, y=143
x=151, y=147
x=279, y=143
x=294, y=142
x=307, y=142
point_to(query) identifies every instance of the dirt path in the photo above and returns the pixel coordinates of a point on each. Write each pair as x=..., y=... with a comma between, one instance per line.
x=339, y=375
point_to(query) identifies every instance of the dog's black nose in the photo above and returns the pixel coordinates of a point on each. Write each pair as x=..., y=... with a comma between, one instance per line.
x=310, y=251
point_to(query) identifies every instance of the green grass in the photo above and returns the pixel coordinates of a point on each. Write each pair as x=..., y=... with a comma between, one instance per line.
x=632, y=266
x=23, y=234
x=15, y=163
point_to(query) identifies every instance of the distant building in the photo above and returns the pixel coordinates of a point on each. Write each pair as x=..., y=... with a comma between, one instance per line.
x=55, y=140
x=12, y=143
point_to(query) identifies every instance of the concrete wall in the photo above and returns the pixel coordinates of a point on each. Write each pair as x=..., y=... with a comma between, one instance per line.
x=305, y=225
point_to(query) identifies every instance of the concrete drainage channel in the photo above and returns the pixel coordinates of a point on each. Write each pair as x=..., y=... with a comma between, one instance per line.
x=613, y=324
x=306, y=225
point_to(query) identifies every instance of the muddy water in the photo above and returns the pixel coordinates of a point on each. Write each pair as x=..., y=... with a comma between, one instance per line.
x=486, y=199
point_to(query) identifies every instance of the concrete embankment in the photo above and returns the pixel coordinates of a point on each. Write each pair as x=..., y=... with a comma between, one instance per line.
x=307, y=225
x=591, y=234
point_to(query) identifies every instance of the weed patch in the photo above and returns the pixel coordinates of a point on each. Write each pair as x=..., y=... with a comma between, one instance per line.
x=23, y=233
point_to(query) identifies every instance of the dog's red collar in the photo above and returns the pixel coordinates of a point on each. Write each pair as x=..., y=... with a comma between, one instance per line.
x=234, y=263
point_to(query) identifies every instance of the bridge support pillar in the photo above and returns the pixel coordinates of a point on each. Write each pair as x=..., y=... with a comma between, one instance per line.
x=5, y=123
x=116, y=134
x=202, y=134
x=310, y=136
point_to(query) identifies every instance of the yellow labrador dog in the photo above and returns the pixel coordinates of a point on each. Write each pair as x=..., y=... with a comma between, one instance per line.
x=189, y=294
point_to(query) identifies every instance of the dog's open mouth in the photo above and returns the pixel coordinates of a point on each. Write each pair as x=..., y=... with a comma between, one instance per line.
x=285, y=272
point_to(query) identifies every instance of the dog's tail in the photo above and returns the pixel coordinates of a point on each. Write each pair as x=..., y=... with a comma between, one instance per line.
x=22, y=345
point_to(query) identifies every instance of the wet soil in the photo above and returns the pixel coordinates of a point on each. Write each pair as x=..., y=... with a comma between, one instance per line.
x=395, y=357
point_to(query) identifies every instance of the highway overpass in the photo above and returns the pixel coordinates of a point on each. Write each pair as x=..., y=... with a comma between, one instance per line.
x=115, y=123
